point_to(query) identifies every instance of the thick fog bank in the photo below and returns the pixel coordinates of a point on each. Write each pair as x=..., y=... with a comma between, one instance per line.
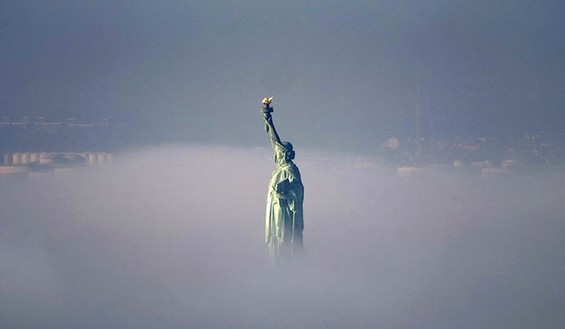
x=172, y=237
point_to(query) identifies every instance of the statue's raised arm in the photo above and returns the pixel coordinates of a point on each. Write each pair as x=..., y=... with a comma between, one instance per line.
x=269, y=125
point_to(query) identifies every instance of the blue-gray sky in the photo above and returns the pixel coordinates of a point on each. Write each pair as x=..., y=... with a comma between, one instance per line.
x=343, y=73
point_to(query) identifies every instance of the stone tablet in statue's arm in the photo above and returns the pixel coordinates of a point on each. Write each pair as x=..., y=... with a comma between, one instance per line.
x=287, y=189
x=283, y=187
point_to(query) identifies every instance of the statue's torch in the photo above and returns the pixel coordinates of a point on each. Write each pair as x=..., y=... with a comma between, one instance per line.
x=267, y=110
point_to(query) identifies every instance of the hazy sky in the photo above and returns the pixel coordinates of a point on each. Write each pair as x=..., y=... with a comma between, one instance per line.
x=343, y=73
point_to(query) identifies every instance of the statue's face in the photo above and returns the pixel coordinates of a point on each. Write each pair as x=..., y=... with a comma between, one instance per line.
x=280, y=157
x=285, y=156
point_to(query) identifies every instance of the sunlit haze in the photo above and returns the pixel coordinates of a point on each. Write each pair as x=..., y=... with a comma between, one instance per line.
x=172, y=237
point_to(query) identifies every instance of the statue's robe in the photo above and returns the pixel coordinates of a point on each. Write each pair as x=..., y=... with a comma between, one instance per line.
x=284, y=221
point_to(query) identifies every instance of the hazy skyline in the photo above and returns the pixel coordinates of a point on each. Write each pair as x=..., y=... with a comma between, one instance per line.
x=344, y=74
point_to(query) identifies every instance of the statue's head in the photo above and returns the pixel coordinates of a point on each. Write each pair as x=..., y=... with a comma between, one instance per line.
x=285, y=157
x=289, y=155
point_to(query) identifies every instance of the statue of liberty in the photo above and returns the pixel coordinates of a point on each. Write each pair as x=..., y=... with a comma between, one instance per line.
x=284, y=220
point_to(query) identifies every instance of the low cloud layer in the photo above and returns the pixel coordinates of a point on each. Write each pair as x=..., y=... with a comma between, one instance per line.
x=172, y=237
